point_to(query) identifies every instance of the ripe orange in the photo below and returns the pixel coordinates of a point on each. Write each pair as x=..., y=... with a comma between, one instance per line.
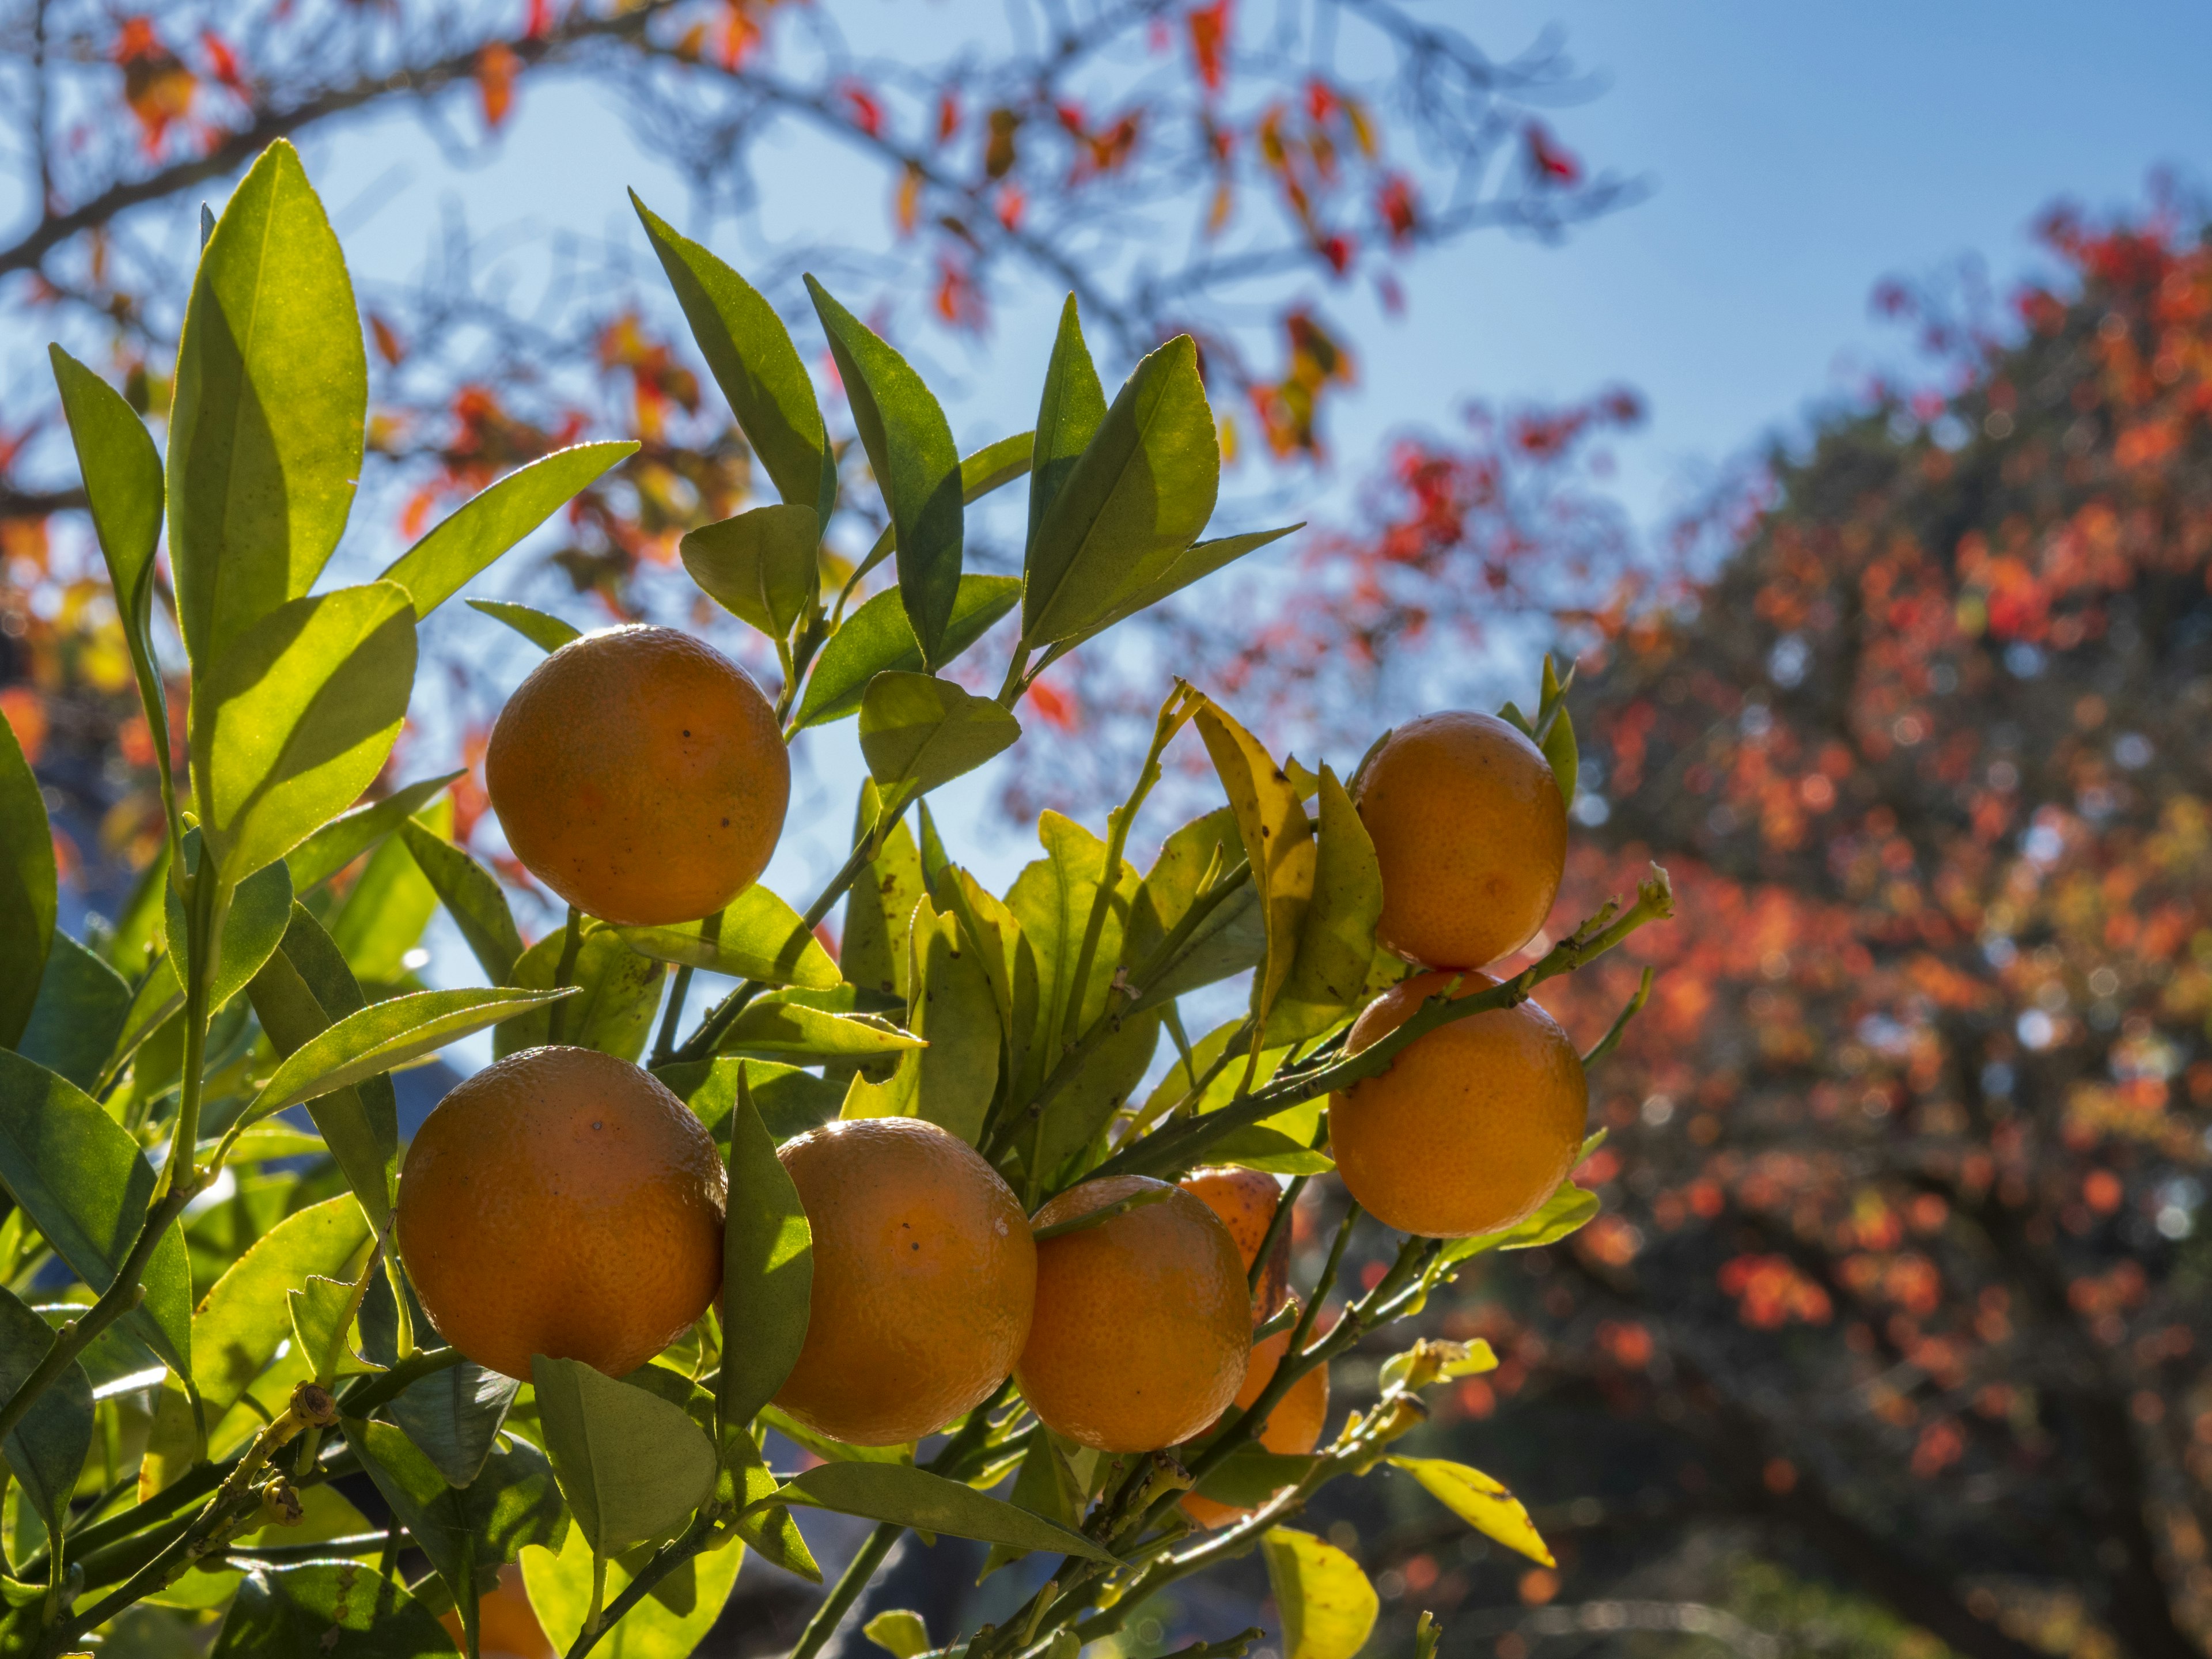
x=506, y=1623
x=563, y=1202
x=1471, y=835
x=640, y=775
x=1293, y=1428
x=1245, y=1200
x=923, y=1274
x=1473, y=1126
x=1143, y=1322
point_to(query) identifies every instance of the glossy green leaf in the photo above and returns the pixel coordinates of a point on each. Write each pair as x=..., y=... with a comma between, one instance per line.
x=331, y=1610
x=618, y=992
x=915, y=1497
x=79, y=1014
x=1106, y=1083
x=302, y=991
x=982, y=470
x=911, y=450
x=794, y=1031
x=762, y=566
x=247, y=1315
x=493, y=520
x=471, y=897
x=1044, y=1484
x=122, y=472
x=346, y=837
x=453, y=1417
x=266, y=423
x=1327, y=1606
x=322, y=1312
x=259, y=912
x=631, y=1465
x=1052, y=898
x=1566, y=1211
x=1133, y=502
x=898, y=1631
x=1336, y=938
x=749, y=353
x=547, y=633
x=1479, y=1500
x=956, y=1014
x=378, y=925
x=1257, y=1146
x=560, y=1588
x=82, y=1180
x=295, y=720
x=510, y=1502
x=745, y=1478
x=1194, y=564
x=1231, y=938
x=758, y=936
x=878, y=639
x=29, y=894
x=47, y=1450
x=790, y=1101
x=879, y=906
x=372, y=1039
x=917, y=732
x=767, y=1270
x=1277, y=840
x=1069, y=413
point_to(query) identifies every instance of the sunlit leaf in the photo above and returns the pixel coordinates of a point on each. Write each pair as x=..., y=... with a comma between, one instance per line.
x=453, y=1417
x=631, y=1465
x=758, y=936
x=1327, y=1606
x=872, y=951
x=322, y=1313
x=794, y=1031
x=560, y=1589
x=1278, y=842
x=917, y=732
x=1481, y=1502
x=47, y=1450
x=247, y=1315
x=346, y=837
x=29, y=894
x=463, y=547
x=1069, y=412
x=618, y=991
x=471, y=897
x=915, y=1497
x=761, y=566
x=767, y=1271
x=898, y=1631
x=878, y=639
x=81, y=1006
x=546, y=633
x=259, y=912
x=1336, y=938
x=332, y=1609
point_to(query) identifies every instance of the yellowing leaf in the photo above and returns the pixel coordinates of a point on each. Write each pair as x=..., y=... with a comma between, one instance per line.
x=1278, y=842
x=1336, y=941
x=1327, y=1606
x=1479, y=1501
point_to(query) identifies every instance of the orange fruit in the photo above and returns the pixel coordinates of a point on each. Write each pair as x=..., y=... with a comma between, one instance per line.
x=1245, y=1200
x=506, y=1624
x=563, y=1202
x=1293, y=1428
x=1471, y=836
x=923, y=1278
x=1143, y=1322
x=1473, y=1127
x=640, y=774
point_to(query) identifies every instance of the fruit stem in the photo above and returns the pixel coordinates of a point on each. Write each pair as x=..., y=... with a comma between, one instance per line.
x=572, y=940
x=847, y=1590
x=1611, y=1040
x=664, y=1046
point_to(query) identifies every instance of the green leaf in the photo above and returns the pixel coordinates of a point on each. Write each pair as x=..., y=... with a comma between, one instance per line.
x=1044, y=1484
x=47, y=1449
x=1194, y=564
x=1481, y=1502
x=790, y=1101
x=762, y=567
x=796, y=1032
x=872, y=952
x=372, y=1039
x=493, y=520
x=1009, y=962
x=1052, y=898
x=546, y=633
x=81, y=1006
x=380, y=922
x=1336, y=939
x=878, y=639
x=1256, y=1146
x=333, y=1610
x=759, y=937
x=82, y=1180
x=471, y=897
x=259, y=912
x=560, y=1589
x=266, y=425
x=956, y=1013
x=745, y=1478
x=915, y=1497
x=767, y=1270
x=454, y=1418
x=326, y=1517
x=303, y=989
x=1251, y=1475
x=323, y=1311
x=1326, y=1605
x=1561, y=751
x=247, y=1315
x=899, y=1633
x=1069, y=413
x=346, y=837
x=828, y=1447
x=631, y=1465
x=911, y=452
x=29, y=893
x=1567, y=1209
x=1232, y=937
x=1278, y=842
x=917, y=732
x=122, y=471
x=750, y=355
x=1133, y=502
x=510, y=1502
x=131, y=949
x=612, y=1011
x=294, y=720
x=991, y=467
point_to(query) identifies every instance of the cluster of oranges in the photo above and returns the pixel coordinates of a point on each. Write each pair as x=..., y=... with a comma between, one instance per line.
x=565, y=1202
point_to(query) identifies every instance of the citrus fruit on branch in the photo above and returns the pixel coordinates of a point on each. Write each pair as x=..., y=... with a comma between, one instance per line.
x=1245, y=1200
x=561, y=1201
x=640, y=774
x=1293, y=1429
